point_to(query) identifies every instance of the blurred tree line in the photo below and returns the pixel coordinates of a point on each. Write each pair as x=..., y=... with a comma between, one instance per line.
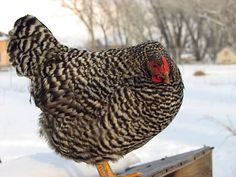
x=196, y=27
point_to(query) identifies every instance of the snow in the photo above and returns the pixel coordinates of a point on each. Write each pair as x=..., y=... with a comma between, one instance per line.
x=52, y=165
x=207, y=99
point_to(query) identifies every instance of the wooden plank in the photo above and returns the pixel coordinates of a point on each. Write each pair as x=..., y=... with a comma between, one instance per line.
x=170, y=165
x=200, y=168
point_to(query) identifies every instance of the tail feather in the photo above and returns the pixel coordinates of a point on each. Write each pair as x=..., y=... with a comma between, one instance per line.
x=30, y=43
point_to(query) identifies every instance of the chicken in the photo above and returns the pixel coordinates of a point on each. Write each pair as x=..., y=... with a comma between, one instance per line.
x=96, y=106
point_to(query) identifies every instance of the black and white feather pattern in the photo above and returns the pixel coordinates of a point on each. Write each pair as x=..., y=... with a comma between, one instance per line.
x=95, y=105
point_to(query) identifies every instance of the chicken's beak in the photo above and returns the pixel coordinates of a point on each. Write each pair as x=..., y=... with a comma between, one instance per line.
x=166, y=78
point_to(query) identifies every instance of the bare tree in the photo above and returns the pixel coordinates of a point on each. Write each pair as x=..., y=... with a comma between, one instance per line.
x=127, y=21
x=122, y=21
x=199, y=43
x=138, y=19
x=170, y=22
x=198, y=27
x=230, y=17
x=85, y=10
x=217, y=39
x=103, y=20
x=215, y=17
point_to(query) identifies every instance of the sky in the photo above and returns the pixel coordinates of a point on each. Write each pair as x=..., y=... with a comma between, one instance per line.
x=64, y=25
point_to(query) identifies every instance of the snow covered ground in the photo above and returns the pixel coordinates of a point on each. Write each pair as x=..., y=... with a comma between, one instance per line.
x=24, y=153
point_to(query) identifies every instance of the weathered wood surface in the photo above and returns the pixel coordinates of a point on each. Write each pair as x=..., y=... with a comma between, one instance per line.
x=197, y=163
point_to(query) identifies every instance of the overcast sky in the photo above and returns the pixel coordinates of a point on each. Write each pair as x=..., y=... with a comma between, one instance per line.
x=64, y=25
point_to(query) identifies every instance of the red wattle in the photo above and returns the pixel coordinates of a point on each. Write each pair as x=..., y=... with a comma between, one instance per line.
x=156, y=79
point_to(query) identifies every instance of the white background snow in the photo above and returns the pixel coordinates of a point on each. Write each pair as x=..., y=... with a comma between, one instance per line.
x=24, y=153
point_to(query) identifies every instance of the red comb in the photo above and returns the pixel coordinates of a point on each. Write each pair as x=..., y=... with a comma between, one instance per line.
x=165, y=64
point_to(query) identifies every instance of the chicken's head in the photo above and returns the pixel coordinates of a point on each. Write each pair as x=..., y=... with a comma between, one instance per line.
x=159, y=70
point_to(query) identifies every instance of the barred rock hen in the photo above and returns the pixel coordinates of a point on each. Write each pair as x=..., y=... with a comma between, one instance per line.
x=96, y=106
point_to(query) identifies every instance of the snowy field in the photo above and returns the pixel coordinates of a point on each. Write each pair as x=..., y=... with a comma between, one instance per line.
x=211, y=97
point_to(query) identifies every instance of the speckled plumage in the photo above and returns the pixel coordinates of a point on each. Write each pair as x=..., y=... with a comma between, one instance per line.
x=95, y=105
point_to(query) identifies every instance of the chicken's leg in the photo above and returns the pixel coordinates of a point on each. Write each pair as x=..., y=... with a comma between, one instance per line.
x=104, y=170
